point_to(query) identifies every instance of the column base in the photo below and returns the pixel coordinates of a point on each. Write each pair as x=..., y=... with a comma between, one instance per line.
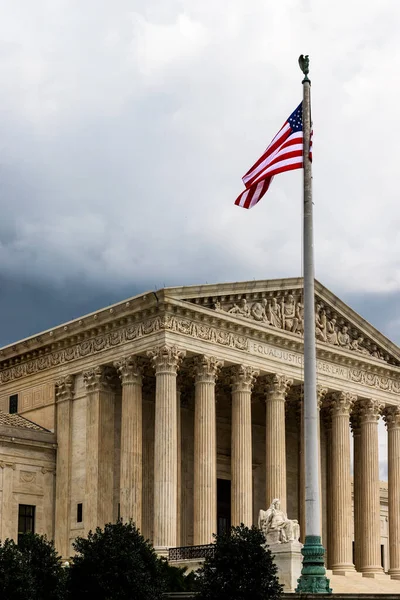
x=313, y=578
x=394, y=573
x=162, y=551
x=343, y=569
x=376, y=575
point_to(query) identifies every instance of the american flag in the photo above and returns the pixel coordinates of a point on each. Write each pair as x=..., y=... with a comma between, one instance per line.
x=285, y=153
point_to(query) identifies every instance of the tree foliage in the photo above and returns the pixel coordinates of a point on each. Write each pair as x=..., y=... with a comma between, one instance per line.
x=177, y=579
x=115, y=563
x=31, y=570
x=241, y=568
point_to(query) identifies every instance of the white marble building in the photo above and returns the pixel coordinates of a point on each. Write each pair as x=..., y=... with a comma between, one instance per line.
x=182, y=410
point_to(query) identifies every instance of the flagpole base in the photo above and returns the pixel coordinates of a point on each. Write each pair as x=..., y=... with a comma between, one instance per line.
x=313, y=578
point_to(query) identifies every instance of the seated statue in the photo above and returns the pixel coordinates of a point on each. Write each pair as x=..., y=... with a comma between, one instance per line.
x=275, y=525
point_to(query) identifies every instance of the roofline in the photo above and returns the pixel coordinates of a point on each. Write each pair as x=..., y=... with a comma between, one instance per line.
x=149, y=298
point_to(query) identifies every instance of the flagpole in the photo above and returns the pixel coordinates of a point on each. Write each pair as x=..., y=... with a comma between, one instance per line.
x=313, y=575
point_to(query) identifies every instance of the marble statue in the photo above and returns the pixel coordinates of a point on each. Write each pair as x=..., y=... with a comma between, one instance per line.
x=344, y=338
x=242, y=310
x=258, y=311
x=274, y=313
x=276, y=526
x=320, y=324
x=331, y=335
x=358, y=347
x=289, y=319
x=287, y=313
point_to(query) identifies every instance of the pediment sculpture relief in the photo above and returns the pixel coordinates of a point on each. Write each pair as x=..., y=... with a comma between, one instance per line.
x=287, y=313
x=276, y=526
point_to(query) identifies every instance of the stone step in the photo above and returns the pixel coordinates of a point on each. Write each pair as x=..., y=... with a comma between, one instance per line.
x=353, y=583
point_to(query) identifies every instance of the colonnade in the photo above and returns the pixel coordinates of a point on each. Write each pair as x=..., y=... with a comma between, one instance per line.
x=340, y=410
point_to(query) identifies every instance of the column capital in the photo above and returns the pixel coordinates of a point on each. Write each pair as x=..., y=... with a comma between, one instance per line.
x=277, y=386
x=391, y=416
x=342, y=403
x=369, y=410
x=65, y=388
x=166, y=359
x=206, y=368
x=243, y=378
x=321, y=395
x=130, y=369
x=99, y=379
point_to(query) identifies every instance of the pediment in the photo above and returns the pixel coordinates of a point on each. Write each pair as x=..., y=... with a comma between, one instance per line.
x=278, y=305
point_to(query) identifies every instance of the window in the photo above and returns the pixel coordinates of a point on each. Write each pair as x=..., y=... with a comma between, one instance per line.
x=79, y=511
x=13, y=405
x=383, y=556
x=26, y=519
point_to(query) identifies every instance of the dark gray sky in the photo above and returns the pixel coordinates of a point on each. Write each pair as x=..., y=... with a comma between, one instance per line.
x=125, y=128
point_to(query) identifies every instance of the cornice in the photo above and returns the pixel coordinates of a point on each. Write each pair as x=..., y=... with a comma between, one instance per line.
x=85, y=327
x=193, y=321
x=279, y=337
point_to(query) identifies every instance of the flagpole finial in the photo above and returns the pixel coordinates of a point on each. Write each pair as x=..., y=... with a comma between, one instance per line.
x=304, y=63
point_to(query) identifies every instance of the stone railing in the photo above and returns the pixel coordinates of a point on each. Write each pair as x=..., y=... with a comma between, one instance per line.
x=191, y=552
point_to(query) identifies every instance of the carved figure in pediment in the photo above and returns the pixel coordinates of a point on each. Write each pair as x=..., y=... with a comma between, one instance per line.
x=289, y=319
x=242, y=309
x=357, y=346
x=274, y=314
x=376, y=353
x=235, y=310
x=218, y=307
x=344, y=338
x=259, y=311
x=320, y=324
x=331, y=332
x=300, y=318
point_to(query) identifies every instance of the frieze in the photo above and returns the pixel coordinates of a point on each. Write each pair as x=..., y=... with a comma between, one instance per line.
x=81, y=350
x=286, y=312
x=297, y=359
x=109, y=340
x=201, y=331
x=387, y=384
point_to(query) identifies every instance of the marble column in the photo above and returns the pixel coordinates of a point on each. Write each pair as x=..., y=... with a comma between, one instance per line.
x=179, y=463
x=356, y=428
x=64, y=397
x=243, y=378
x=166, y=360
x=369, y=488
x=205, y=450
x=131, y=479
x=276, y=390
x=392, y=419
x=99, y=485
x=341, y=561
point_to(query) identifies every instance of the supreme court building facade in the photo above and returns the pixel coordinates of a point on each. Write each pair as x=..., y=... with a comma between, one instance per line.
x=182, y=409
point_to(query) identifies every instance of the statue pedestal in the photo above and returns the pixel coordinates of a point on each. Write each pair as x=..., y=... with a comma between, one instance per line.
x=288, y=559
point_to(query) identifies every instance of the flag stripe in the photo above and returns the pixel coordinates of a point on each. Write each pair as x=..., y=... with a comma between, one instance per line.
x=274, y=146
x=257, y=173
x=284, y=153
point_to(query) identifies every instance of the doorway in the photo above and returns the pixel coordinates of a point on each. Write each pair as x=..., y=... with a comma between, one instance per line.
x=223, y=505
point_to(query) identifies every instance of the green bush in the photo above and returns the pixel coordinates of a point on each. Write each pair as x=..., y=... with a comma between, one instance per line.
x=241, y=568
x=31, y=570
x=115, y=563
